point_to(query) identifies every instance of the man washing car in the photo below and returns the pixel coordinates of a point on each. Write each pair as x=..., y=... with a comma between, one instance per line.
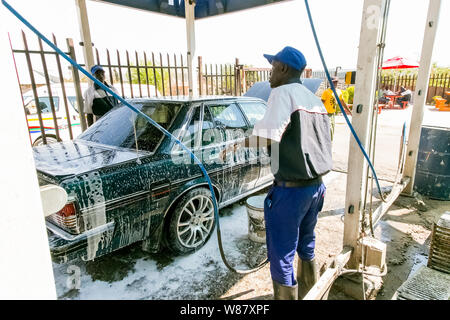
x=296, y=129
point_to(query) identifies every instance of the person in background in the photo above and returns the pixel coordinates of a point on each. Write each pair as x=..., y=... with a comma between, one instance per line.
x=331, y=104
x=96, y=100
x=382, y=97
x=406, y=96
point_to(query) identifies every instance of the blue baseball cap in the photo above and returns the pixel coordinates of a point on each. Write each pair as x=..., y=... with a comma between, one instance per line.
x=95, y=68
x=290, y=56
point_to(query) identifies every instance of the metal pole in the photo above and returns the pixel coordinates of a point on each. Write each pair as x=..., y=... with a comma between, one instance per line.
x=85, y=34
x=63, y=89
x=34, y=88
x=190, y=33
x=77, y=85
x=420, y=93
x=361, y=119
x=25, y=269
x=237, y=78
x=49, y=88
x=200, y=75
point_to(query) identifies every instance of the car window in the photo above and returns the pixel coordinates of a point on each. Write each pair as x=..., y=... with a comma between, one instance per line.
x=229, y=118
x=254, y=111
x=44, y=105
x=73, y=102
x=190, y=137
x=122, y=127
x=148, y=136
x=211, y=135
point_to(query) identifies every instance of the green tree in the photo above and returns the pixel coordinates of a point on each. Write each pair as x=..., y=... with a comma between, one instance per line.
x=436, y=70
x=351, y=92
x=147, y=73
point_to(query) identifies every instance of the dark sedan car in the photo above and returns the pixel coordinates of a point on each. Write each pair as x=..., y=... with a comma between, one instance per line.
x=128, y=182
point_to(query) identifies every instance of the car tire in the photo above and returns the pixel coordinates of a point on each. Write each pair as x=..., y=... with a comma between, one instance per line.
x=192, y=222
x=40, y=141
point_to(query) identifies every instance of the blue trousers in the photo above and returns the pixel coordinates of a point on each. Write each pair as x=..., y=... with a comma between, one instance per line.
x=290, y=215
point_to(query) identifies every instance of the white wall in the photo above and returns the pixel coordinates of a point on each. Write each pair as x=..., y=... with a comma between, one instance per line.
x=25, y=265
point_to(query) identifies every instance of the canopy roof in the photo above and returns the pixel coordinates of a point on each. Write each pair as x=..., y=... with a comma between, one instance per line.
x=203, y=8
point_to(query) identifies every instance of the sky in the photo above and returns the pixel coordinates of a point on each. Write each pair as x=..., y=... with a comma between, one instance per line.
x=246, y=35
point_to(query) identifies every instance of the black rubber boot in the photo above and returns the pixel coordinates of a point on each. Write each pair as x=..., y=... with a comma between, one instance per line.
x=282, y=292
x=307, y=276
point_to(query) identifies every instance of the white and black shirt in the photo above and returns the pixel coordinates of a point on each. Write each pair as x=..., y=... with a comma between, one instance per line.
x=298, y=122
x=97, y=101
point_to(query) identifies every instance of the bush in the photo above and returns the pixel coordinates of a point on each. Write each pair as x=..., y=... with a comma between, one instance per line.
x=351, y=92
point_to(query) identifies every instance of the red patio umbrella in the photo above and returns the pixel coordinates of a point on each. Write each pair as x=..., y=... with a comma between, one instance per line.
x=399, y=63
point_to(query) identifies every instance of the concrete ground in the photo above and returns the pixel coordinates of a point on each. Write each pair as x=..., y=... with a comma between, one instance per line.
x=131, y=273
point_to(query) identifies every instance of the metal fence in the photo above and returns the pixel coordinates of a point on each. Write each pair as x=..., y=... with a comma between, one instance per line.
x=337, y=72
x=52, y=98
x=145, y=75
x=320, y=74
x=134, y=74
x=438, y=85
x=228, y=79
x=218, y=79
x=142, y=76
x=45, y=130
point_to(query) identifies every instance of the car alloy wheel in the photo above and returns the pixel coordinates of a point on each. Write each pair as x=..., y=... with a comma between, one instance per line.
x=196, y=221
x=40, y=142
x=192, y=222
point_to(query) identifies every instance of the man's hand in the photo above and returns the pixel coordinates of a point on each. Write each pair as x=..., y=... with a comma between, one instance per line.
x=249, y=142
x=230, y=148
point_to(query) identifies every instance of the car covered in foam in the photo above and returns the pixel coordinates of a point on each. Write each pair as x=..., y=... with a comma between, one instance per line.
x=127, y=182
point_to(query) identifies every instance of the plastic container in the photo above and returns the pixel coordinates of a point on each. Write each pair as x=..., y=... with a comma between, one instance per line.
x=256, y=224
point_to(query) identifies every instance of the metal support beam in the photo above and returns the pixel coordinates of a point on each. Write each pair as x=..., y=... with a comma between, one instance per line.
x=85, y=33
x=77, y=85
x=190, y=33
x=420, y=94
x=364, y=97
x=384, y=207
x=330, y=275
x=25, y=264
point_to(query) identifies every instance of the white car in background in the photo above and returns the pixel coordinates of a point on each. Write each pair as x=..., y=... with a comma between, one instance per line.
x=47, y=115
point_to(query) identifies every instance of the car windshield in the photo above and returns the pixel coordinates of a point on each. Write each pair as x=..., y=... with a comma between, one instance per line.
x=122, y=127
